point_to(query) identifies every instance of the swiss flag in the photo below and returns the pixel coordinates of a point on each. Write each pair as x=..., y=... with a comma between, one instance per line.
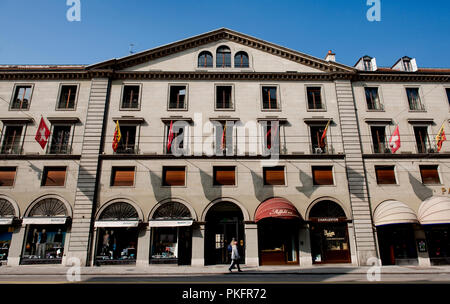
x=394, y=141
x=42, y=134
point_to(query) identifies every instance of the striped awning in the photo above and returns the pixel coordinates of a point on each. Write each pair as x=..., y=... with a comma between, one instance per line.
x=435, y=210
x=393, y=212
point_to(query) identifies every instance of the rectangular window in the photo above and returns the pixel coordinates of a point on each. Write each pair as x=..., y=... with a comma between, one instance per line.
x=67, y=97
x=373, y=99
x=385, y=175
x=415, y=104
x=22, y=97
x=407, y=65
x=368, y=65
x=421, y=135
x=127, y=144
x=269, y=96
x=224, y=175
x=430, y=174
x=12, y=140
x=271, y=130
x=174, y=176
x=130, y=97
x=224, y=137
x=274, y=176
x=54, y=176
x=223, y=97
x=60, y=141
x=322, y=175
x=122, y=176
x=177, y=138
x=177, y=99
x=314, y=98
x=7, y=176
x=318, y=146
x=379, y=139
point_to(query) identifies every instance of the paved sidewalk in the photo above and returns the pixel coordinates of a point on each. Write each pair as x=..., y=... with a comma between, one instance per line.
x=162, y=270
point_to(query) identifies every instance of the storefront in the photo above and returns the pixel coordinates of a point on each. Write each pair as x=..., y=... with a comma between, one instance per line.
x=396, y=224
x=434, y=215
x=329, y=233
x=46, y=226
x=171, y=242
x=7, y=218
x=117, y=230
x=224, y=221
x=278, y=227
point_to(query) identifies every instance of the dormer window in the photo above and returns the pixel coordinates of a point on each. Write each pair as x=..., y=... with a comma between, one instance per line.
x=367, y=64
x=407, y=65
x=241, y=60
x=223, y=57
x=205, y=60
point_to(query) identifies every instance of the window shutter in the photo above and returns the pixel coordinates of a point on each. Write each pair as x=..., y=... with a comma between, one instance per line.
x=323, y=175
x=224, y=176
x=274, y=176
x=55, y=176
x=123, y=176
x=429, y=174
x=385, y=175
x=7, y=176
x=174, y=176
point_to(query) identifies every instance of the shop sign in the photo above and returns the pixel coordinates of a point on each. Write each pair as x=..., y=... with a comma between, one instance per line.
x=421, y=245
x=44, y=220
x=170, y=223
x=119, y=224
x=328, y=219
x=281, y=212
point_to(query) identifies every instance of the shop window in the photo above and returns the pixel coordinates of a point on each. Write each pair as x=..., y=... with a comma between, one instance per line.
x=438, y=240
x=379, y=139
x=44, y=244
x=174, y=176
x=385, y=175
x=205, y=60
x=373, y=98
x=177, y=97
x=269, y=98
x=60, y=140
x=241, y=60
x=322, y=175
x=397, y=244
x=224, y=97
x=224, y=176
x=117, y=246
x=122, y=176
x=314, y=98
x=415, y=103
x=53, y=176
x=274, y=176
x=130, y=97
x=5, y=241
x=223, y=57
x=127, y=144
x=430, y=174
x=22, y=97
x=67, y=97
x=12, y=140
x=422, y=140
x=7, y=176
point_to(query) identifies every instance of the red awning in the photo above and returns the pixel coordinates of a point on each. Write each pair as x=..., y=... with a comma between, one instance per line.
x=276, y=208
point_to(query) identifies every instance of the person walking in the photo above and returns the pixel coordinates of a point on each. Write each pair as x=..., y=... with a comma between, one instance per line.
x=234, y=255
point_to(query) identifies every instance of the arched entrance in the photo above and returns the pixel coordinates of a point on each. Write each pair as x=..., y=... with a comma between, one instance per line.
x=396, y=223
x=224, y=221
x=117, y=234
x=7, y=215
x=47, y=225
x=171, y=234
x=278, y=232
x=329, y=233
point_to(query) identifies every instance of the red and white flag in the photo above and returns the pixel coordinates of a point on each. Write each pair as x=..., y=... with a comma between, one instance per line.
x=42, y=134
x=394, y=141
x=170, y=136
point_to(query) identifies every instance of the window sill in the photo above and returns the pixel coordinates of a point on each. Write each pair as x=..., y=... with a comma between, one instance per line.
x=316, y=110
x=175, y=110
x=376, y=110
x=130, y=109
x=270, y=110
x=417, y=111
x=62, y=109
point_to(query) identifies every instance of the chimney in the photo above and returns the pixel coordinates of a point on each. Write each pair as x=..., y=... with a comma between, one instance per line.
x=330, y=56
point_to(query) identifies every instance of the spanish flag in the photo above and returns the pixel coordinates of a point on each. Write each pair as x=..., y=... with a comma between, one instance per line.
x=324, y=135
x=440, y=137
x=117, y=137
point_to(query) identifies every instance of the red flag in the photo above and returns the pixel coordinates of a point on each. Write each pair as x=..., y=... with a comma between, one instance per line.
x=170, y=137
x=269, y=133
x=42, y=134
x=394, y=141
x=440, y=138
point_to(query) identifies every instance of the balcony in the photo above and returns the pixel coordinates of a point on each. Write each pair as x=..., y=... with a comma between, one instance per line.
x=60, y=148
x=13, y=149
x=126, y=149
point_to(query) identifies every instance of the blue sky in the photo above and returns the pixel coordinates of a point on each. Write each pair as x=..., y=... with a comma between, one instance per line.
x=37, y=32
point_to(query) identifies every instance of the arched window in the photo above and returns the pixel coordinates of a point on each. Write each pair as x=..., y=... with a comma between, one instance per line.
x=119, y=211
x=205, y=60
x=223, y=57
x=50, y=207
x=241, y=60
